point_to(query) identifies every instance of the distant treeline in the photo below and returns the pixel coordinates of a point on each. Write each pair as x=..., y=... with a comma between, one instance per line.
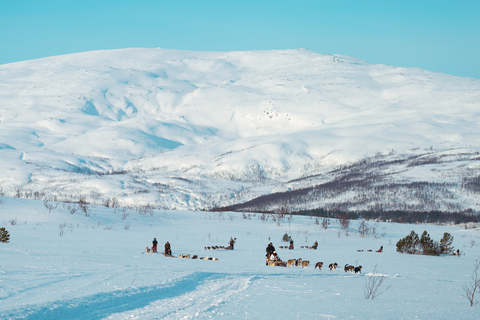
x=397, y=216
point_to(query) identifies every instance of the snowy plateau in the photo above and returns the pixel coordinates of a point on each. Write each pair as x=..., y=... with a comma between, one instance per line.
x=103, y=151
x=201, y=130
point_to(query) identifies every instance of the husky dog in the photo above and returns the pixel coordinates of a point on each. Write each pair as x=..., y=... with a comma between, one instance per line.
x=358, y=269
x=148, y=250
x=305, y=263
x=349, y=268
x=291, y=262
x=333, y=266
x=319, y=265
x=298, y=262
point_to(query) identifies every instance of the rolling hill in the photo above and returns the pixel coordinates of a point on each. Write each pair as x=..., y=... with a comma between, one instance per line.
x=256, y=130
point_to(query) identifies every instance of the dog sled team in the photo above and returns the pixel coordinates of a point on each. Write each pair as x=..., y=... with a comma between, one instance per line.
x=273, y=259
x=379, y=250
x=290, y=247
x=168, y=250
x=231, y=245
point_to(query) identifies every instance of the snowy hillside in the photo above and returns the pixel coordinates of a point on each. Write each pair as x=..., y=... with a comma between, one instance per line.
x=63, y=265
x=198, y=130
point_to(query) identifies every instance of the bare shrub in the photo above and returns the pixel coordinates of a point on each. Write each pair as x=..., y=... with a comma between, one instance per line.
x=145, y=209
x=82, y=203
x=474, y=286
x=62, y=225
x=373, y=284
x=106, y=202
x=127, y=226
x=50, y=206
x=325, y=223
x=125, y=213
x=13, y=221
x=344, y=222
x=115, y=203
x=363, y=228
x=73, y=209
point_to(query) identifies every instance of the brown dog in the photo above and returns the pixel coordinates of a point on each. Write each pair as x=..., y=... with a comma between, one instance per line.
x=319, y=265
x=349, y=268
x=305, y=263
x=291, y=262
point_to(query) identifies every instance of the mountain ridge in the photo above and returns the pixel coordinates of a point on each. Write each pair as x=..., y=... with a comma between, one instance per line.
x=201, y=130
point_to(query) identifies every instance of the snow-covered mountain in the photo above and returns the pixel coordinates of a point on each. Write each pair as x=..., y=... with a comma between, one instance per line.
x=198, y=130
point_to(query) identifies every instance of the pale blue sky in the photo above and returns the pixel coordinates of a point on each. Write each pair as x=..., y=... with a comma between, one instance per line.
x=436, y=35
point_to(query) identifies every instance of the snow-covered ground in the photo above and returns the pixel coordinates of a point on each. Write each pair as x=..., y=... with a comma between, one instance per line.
x=64, y=265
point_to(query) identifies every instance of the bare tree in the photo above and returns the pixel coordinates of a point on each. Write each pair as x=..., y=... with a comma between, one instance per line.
x=473, y=286
x=373, y=284
x=50, y=206
x=325, y=223
x=363, y=228
x=344, y=221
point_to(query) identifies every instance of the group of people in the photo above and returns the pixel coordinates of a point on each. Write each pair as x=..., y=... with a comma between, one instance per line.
x=272, y=253
x=168, y=249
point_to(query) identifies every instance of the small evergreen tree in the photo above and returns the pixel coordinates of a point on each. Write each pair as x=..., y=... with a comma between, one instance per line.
x=409, y=244
x=286, y=237
x=426, y=244
x=4, y=236
x=446, y=244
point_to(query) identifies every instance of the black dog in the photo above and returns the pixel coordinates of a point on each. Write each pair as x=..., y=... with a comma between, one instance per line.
x=333, y=266
x=358, y=269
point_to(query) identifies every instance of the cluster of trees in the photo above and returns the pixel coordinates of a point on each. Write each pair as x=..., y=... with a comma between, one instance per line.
x=371, y=185
x=398, y=215
x=413, y=244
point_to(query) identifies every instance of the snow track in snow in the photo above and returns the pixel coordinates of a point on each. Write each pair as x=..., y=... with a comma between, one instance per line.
x=187, y=297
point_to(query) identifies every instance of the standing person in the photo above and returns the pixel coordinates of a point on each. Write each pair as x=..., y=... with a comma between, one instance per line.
x=168, y=249
x=154, y=245
x=232, y=243
x=291, y=245
x=270, y=250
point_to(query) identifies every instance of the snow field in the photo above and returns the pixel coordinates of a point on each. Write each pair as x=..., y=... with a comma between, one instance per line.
x=98, y=269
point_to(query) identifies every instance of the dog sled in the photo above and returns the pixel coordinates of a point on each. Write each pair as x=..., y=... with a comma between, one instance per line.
x=169, y=255
x=277, y=263
x=274, y=260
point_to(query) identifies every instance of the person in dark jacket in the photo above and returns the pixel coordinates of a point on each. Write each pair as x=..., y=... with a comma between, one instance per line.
x=168, y=249
x=232, y=243
x=154, y=245
x=291, y=245
x=270, y=250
